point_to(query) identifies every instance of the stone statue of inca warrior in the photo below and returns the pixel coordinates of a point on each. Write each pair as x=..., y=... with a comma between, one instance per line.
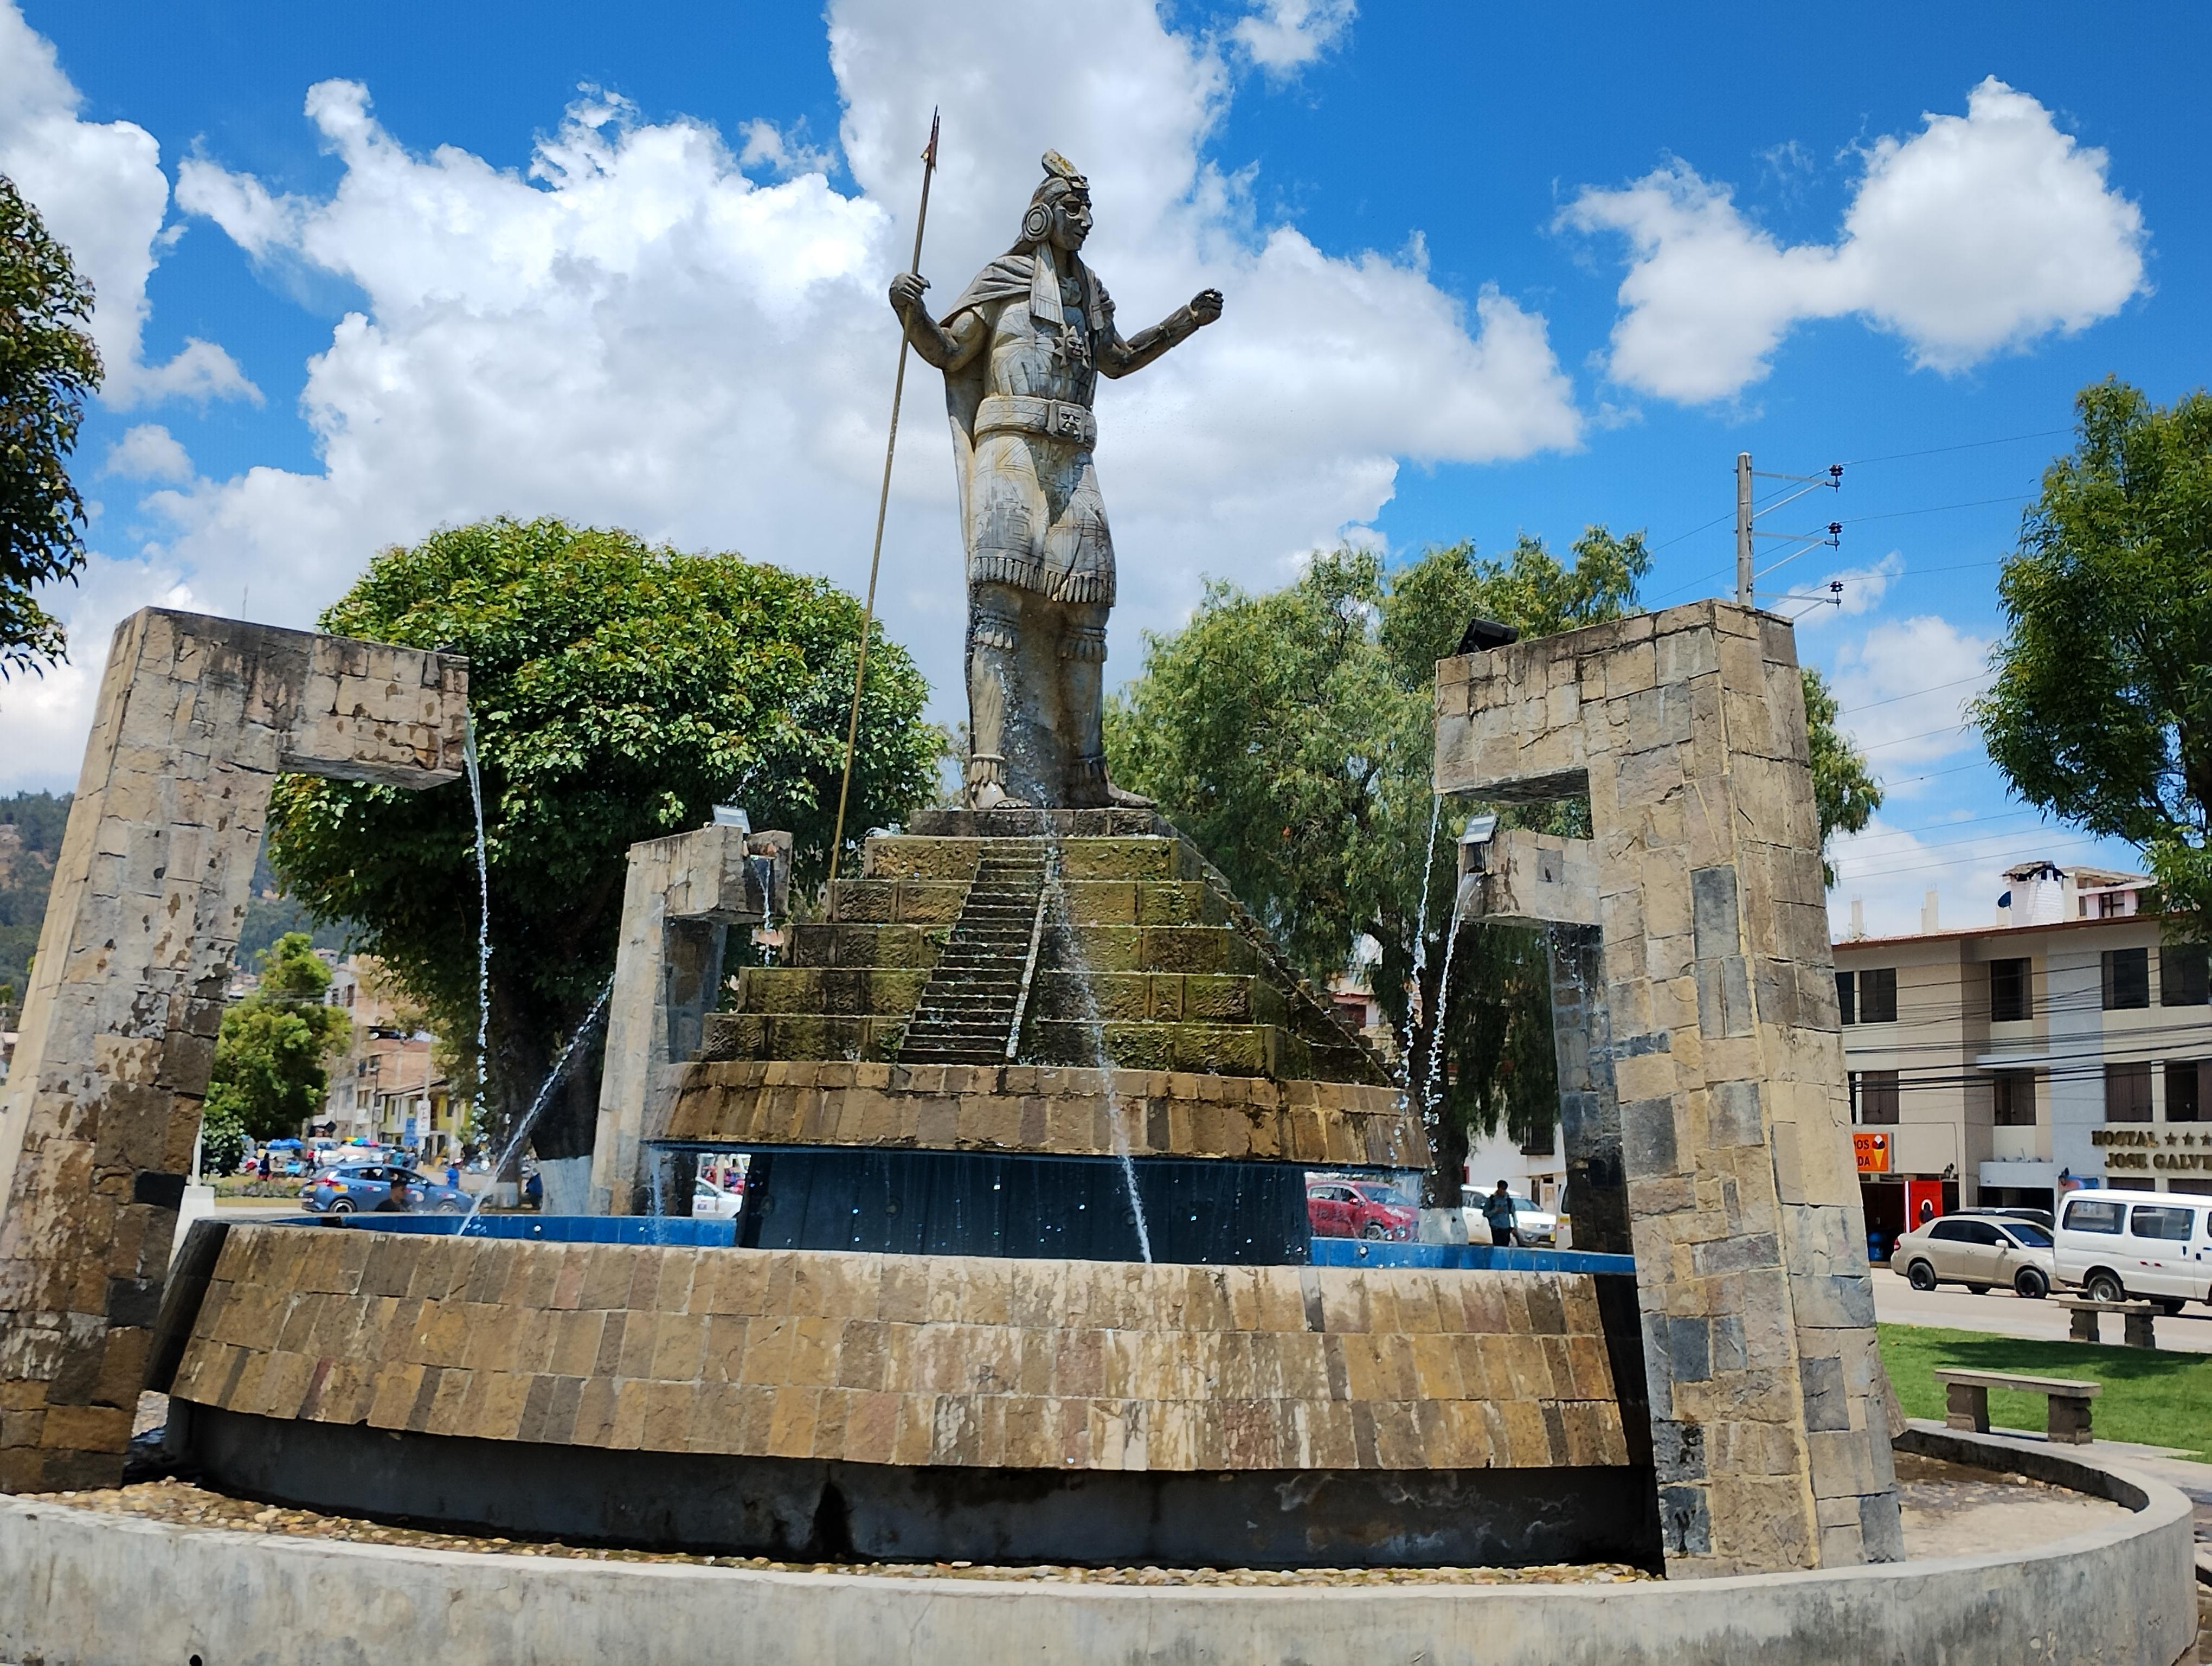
x=1022, y=351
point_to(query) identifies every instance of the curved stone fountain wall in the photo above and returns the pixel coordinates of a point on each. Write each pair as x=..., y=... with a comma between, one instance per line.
x=887, y=1405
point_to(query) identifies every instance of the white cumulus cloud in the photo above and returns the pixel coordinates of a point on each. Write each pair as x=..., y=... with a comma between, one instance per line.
x=645, y=328
x=99, y=188
x=1902, y=691
x=1979, y=233
x=149, y=451
x=1283, y=35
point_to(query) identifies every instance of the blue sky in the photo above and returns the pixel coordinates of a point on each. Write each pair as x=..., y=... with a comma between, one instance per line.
x=1488, y=271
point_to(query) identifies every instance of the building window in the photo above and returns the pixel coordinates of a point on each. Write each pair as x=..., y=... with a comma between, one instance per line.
x=1869, y=997
x=1873, y=1097
x=2112, y=904
x=2127, y=1093
x=2181, y=975
x=2009, y=991
x=2014, y=1092
x=2127, y=979
x=2185, y=1084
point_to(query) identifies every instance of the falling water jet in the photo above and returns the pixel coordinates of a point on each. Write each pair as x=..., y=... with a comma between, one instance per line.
x=1094, y=1031
x=1421, y=945
x=1435, y=1072
x=553, y=1080
x=483, y=918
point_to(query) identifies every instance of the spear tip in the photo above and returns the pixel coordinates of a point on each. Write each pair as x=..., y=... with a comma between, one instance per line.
x=929, y=155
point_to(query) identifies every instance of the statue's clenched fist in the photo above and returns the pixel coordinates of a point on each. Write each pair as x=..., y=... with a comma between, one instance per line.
x=1205, y=306
x=907, y=288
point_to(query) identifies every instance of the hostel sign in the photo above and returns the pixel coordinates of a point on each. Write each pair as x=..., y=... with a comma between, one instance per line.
x=2143, y=1150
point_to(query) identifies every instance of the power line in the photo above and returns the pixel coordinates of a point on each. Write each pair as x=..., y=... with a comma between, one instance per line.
x=1912, y=693
x=1842, y=877
x=1859, y=839
x=1939, y=508
x=1947, y=729
x=1967, y=445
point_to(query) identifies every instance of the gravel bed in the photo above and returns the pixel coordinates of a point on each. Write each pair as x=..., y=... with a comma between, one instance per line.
x=189, y=1506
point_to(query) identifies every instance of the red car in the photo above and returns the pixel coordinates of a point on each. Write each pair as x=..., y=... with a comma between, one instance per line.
x=1357, y=1209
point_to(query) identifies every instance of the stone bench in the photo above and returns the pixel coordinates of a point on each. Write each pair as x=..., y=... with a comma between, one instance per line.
x=2136, y=1320
x=1966, y=1402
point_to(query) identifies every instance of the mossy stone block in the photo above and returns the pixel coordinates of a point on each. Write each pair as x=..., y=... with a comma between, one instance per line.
x=1118, y=996
x=813, y=945
x=781, y=989
x=907, y=857
x=1103, y=949
x=1118, y=859
x=930, y=902
x=867, y=902
x=1180, y=903
x=1223, y=1049
x=735, y=1035
x=1214, y=999
x=1140, y=1046
x=1196, y=949
x=1103, y=902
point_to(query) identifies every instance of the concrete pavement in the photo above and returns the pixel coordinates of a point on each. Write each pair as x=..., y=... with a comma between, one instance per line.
x=2000, y=1313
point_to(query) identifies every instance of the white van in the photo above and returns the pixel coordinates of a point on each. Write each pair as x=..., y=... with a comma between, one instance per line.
x=2116, y=1245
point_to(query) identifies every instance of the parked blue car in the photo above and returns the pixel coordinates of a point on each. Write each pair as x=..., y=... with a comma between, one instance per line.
x=366, y=1186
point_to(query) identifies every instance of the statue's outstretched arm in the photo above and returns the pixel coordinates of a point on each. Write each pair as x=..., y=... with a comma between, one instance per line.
x=948, y=350
x=1119, y=357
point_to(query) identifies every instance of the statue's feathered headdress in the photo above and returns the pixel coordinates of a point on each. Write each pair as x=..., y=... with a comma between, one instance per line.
x=1061, y=179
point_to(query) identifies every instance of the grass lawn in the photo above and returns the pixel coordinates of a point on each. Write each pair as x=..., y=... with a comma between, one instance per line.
x=2158, y=1399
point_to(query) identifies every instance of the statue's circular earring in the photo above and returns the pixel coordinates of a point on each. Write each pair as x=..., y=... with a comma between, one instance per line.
x=1037, y=222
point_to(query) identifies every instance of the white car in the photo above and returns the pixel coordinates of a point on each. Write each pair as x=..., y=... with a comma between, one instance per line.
x=713, y=1202
x=1534, y=1225
x=2115, y=1244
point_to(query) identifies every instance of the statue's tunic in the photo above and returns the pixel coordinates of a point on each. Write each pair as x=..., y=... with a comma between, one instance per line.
x=1020, y=398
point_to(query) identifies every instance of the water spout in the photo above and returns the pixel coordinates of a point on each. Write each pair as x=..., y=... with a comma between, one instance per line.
x=484, y=919
x=1094, y=1031
x=553, y=1080
x=1420, y=945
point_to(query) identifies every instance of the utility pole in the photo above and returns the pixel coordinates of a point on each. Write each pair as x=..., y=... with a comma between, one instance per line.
x=1748, y=532
x=1743, y=529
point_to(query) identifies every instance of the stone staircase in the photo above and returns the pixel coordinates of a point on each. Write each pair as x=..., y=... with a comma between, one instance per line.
x=973, y=1001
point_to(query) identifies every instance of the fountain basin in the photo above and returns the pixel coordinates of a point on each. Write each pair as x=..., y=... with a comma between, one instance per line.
x=97, y=1587
x=829, y=1403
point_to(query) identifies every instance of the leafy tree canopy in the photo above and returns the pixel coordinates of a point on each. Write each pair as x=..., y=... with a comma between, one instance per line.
x=47, y=365
x=619, y=691
x=1844, y=790
x=2101, y=708
x=1309, y=789
x=270, y=1056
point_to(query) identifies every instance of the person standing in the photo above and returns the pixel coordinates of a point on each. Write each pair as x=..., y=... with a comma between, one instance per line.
x=1498, y=1214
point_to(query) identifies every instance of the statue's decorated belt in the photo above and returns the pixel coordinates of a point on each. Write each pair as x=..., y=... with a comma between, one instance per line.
x=1058, y=419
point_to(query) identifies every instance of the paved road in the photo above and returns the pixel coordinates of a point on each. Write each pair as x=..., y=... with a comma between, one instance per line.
x=2000, y=1313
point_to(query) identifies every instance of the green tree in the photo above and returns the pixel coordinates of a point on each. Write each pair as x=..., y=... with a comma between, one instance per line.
x=619, y=691
x=1310, y=790
x=47, y=365
x=2101, y=708
x=270, y=1054
x=1844, y=790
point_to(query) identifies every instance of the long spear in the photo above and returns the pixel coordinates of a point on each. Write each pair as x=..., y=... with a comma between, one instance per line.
x=883, y=506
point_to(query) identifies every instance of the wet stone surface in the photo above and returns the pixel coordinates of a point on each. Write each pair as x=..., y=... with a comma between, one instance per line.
x=186, y=1504
x=1950, y=1509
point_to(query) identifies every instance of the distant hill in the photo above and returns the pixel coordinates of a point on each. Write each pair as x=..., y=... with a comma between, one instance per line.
x=30, y=838
x=31, y=825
